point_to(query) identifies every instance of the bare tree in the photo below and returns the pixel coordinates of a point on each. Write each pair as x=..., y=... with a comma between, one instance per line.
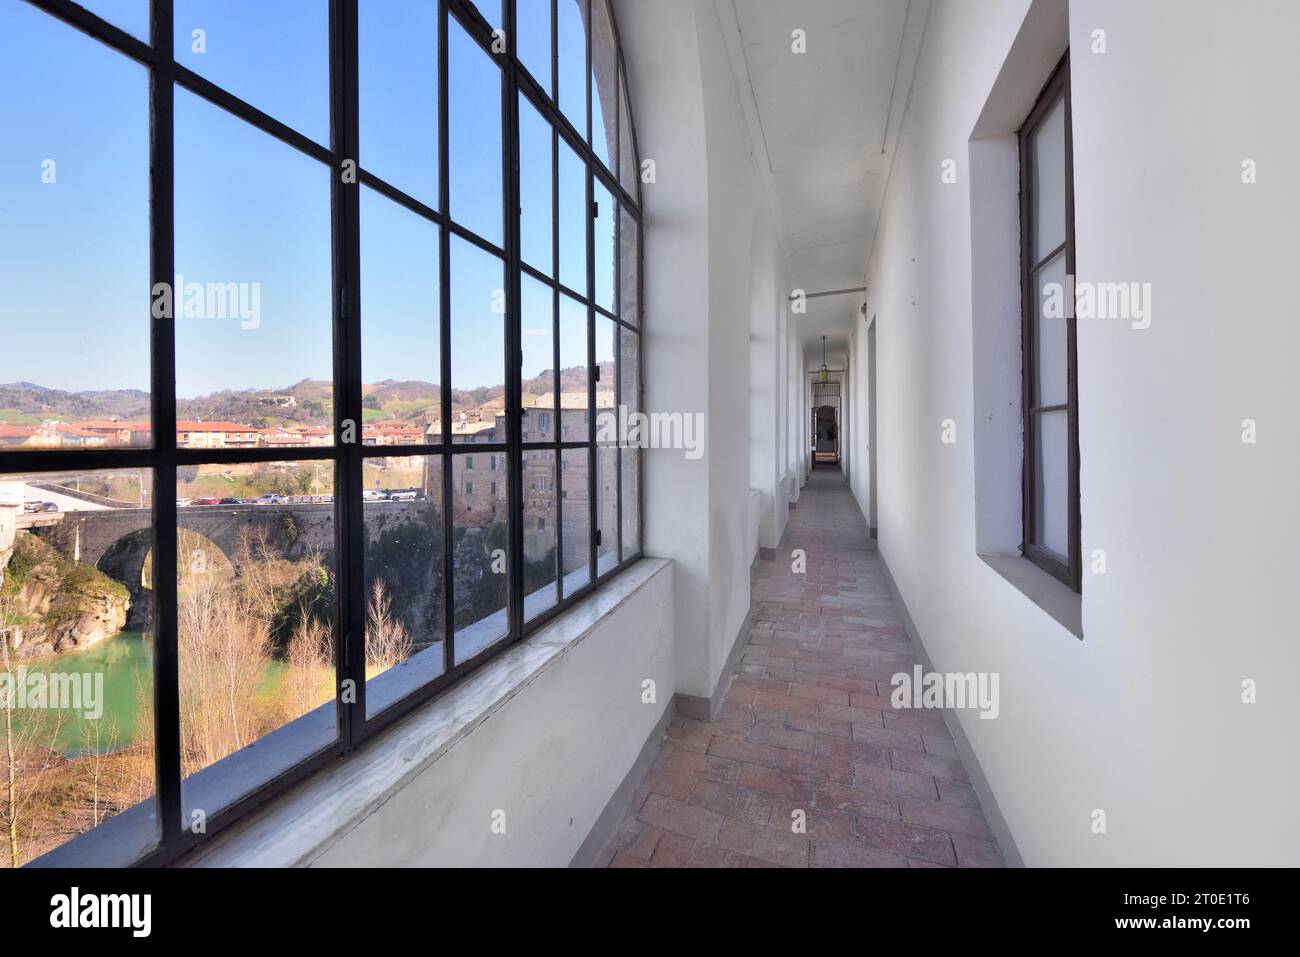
x=387, y=641
x=310, y=676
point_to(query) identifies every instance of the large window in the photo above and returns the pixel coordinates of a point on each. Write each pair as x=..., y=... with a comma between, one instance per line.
x=1050, y=386
x=311, y=314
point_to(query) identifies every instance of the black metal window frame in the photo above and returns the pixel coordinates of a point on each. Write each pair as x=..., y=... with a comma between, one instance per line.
x=1070, y=571
x=164, y=456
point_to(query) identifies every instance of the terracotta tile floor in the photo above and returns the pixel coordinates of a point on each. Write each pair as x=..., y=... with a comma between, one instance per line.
x=806, y=731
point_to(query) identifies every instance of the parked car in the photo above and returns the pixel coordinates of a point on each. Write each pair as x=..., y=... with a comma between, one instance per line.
x=182, y=503
x=50, y=506
x=271, y=500
x=33, y=506
x=408, y=496
x=206, y=501
x=374, y=495
x=229, y=501
x=245, y=501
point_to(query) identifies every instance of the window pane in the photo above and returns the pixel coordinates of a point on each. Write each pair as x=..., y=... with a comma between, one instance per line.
x=575, y=502
x=479, y=551
x=1051, y=362
x=605, y=377
x=131, y=15
x=604, y=85
x=400, y=328
x=253, y=296
x=77, y=610
x=405, y=588
x=607, y=453
x=607, y=476
x=536, y=197
x=605, y=247
x=490, y=10
x=629, y=269
x=1051, y=470
x=474, y=130
x=478, y=344
x=573, y=371
x=571, y=35
x=398, y=94
x=538, y=372
x=629, y=165
x=540, y=494
x=275, y=56
x=74, y=239
x=533, y=39
x=629, y=344
x=255, y=579
x=1049, y=181
x=573, y=220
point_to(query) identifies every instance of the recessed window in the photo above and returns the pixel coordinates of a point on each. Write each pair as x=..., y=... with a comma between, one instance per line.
x=350, y=294
x=1051, y=407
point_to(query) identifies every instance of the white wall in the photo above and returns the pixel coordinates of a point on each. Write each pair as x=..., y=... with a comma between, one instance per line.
x=1142, y=717
x=700, y=219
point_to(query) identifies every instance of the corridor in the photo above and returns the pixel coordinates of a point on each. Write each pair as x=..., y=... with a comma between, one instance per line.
x=807, y=726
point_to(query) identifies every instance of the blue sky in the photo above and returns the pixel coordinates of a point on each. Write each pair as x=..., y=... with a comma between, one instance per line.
x=74, y=254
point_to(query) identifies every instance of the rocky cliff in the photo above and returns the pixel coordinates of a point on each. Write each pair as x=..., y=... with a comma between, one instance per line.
x=53, y=605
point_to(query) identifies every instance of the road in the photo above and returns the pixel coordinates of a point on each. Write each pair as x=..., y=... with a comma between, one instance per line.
x=66, y=503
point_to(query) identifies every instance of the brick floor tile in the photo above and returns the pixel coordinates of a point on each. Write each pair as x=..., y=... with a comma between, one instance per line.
x=930, y=764
x=974, y=852
x=899, y=782
x=693, y=822
x=853, y=854
x=738, y=749
x=946, y=817
x=765, y=843
x=923, y=843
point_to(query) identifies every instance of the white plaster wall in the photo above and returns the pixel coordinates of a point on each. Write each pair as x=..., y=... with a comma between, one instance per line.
x=700, y=218
x=551, y=757
x=1142, y=718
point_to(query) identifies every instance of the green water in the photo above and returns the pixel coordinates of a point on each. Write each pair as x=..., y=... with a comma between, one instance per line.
x=126, y=662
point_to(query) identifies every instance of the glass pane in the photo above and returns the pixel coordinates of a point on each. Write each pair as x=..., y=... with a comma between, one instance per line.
x=1051, y=470
x=629, y=165
x=273, y=55
x=605, y=375
x=405, y=587
x=398, y=94
x=573, y=220
x=1051, y=363
x=536, y=196
x=538, y=373
x=604, y=85
x=630, y=400
x=573, y=371
x=74, y=239
x=605, y=246
x=131, y=15
x=76, y=660
x=629, y=269
x=575, y=502
x=253, y=290
x=478, y=344
x=540, y=496
x=571, y=36
x=533, y=39
x=474, y=131
x=607, y=508
x=479, y=551
x=1048, y=146
x=255, y=580
x=400, y=328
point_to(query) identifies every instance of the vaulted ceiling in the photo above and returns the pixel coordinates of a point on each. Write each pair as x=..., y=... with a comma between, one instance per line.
x=825, y=123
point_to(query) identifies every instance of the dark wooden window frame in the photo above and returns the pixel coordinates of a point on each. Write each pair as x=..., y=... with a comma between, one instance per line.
x=163, y=457
x=1057, y=89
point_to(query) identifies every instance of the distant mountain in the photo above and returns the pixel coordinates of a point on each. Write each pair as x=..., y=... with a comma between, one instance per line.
x=37, y=402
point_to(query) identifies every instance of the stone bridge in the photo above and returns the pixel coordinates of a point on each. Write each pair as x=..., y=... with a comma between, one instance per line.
x=118, y=541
